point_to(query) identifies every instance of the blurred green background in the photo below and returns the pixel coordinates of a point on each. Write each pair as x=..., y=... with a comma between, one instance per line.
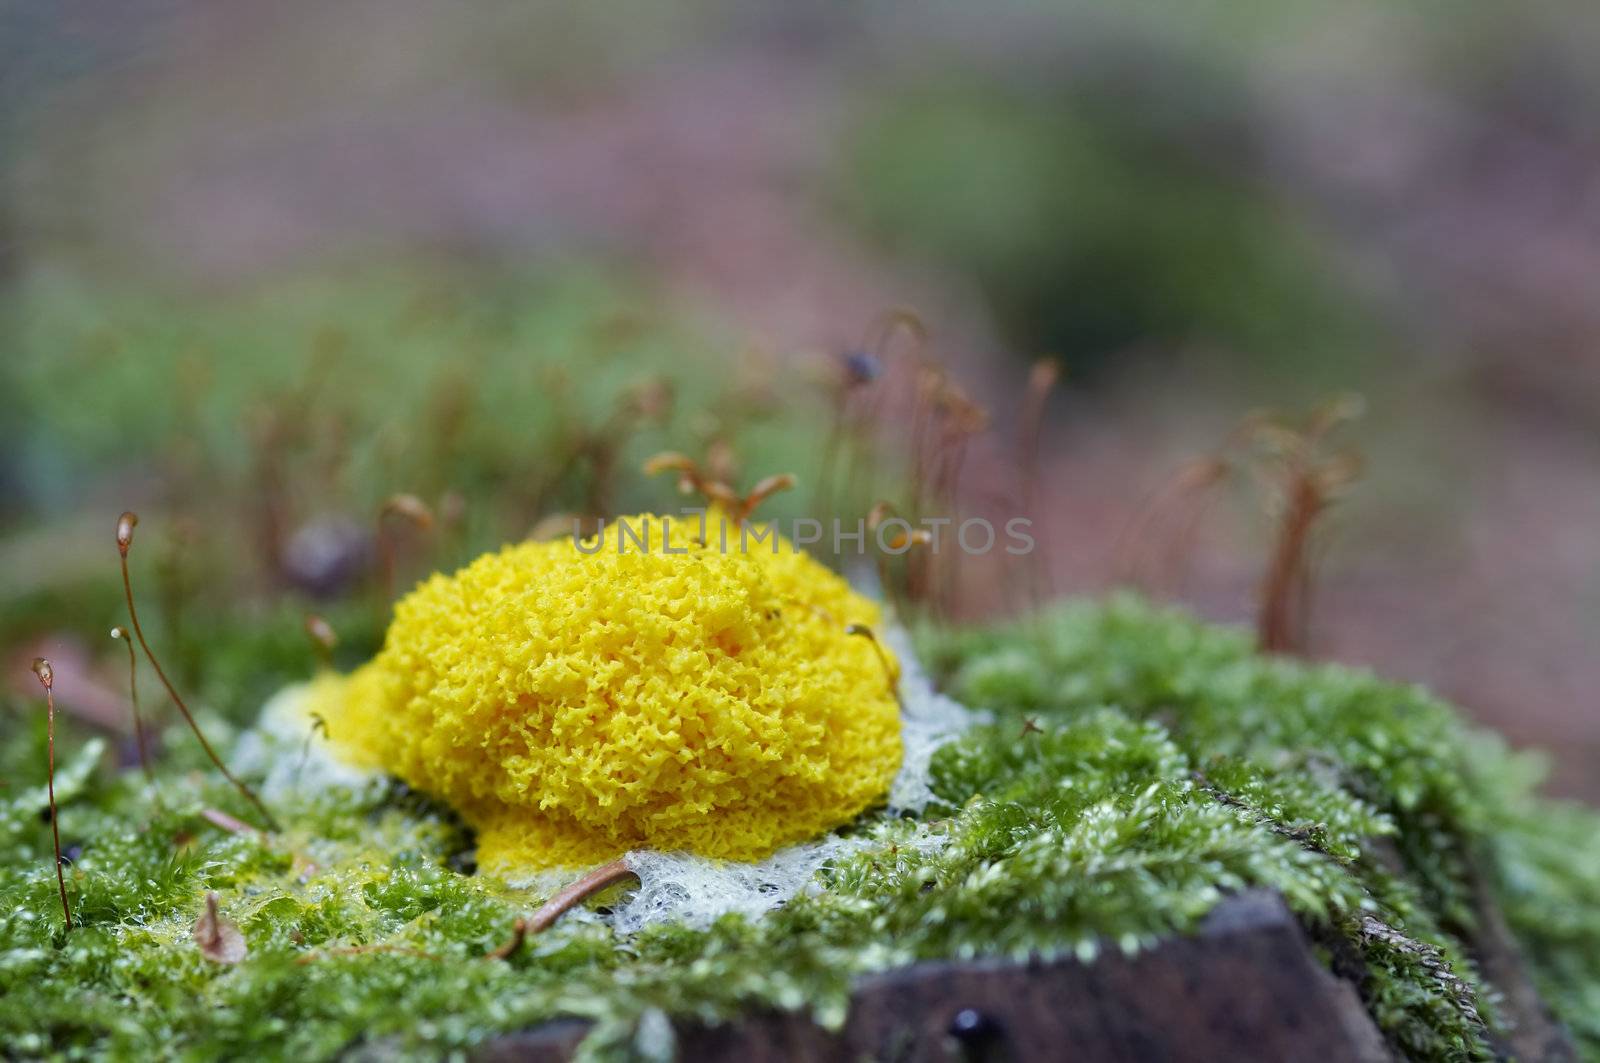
x=263, y=266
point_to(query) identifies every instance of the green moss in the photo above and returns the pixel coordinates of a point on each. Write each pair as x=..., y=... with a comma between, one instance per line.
x=1138, y=766
x=1386, y=779
x=1547, y=868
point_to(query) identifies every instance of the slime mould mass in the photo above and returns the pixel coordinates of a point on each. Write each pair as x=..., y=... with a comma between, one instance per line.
x=574, y=703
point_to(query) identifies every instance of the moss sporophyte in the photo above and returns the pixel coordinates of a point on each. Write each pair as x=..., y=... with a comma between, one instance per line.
x=575, y=703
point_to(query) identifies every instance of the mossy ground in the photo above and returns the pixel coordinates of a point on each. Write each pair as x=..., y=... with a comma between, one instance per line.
x=1139, y=765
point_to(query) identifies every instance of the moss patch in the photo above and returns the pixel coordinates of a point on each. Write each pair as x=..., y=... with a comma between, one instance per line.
x=1139, y=765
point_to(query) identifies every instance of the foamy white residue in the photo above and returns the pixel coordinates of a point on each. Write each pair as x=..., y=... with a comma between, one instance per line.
x=678, y=887
x=928, y=719
x=291, y=753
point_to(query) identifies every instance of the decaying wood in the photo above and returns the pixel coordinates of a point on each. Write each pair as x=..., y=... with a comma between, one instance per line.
x=1247, y=986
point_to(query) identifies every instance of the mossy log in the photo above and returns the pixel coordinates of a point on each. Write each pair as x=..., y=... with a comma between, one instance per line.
x=1248, y=985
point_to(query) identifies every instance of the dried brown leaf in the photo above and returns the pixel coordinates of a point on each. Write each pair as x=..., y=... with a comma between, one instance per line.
x=220, y=939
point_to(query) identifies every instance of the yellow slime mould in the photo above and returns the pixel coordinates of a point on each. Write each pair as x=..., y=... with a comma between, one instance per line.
x=574, y=702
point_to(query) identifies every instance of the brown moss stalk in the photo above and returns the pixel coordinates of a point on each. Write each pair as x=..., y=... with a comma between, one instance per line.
x=47, y=679
x=519, y=934
x=413, y=511
x=233, y=825
x=601, y=877
x=1042, y=380
x=1306, y=484
x=890, y=673
x=856, y=370
x=323, y=640
x=121, y=634
x=1300, y=482
x=125, y=525
x=904, y=543
x=694, y=479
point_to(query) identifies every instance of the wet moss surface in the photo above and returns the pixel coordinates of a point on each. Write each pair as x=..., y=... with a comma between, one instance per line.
x=1138, y=765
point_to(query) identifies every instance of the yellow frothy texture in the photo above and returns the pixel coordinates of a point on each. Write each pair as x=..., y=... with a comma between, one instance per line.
x=572, y=706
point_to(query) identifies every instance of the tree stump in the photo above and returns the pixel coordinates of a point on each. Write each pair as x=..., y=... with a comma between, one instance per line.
x=1246, y=986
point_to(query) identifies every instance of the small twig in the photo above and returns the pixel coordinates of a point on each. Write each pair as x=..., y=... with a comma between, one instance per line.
x=47, y=679
x=569, y=898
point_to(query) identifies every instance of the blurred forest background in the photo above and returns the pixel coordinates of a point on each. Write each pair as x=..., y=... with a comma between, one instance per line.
x=264, y=265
